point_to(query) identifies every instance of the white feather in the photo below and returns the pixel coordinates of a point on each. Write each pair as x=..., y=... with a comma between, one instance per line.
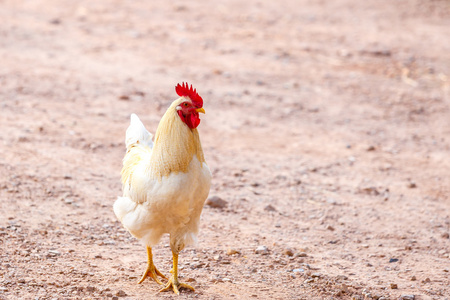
x=136, y=133
x=162, y=206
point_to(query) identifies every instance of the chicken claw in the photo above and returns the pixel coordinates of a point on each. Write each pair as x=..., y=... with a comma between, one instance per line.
x=151, y=270
x=175, y=285
x=173, y=282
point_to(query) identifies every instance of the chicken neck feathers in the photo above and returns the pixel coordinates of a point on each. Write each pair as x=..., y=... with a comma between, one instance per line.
x=174, y=147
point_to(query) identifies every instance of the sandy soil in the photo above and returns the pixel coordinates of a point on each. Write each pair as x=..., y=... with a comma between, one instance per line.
x=327, y=132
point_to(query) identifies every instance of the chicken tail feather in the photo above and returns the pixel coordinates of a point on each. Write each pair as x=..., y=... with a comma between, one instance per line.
x=137, y=134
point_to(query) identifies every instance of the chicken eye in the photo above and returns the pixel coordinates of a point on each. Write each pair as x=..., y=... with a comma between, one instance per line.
x=185, y=104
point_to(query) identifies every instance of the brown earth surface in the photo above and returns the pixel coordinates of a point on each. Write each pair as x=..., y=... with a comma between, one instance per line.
x=327, y=130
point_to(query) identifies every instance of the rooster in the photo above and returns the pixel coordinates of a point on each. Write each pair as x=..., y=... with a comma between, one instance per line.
x=166, y=182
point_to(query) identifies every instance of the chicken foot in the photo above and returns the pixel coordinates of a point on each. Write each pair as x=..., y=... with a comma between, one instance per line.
x=173, y=282
x=151, y=270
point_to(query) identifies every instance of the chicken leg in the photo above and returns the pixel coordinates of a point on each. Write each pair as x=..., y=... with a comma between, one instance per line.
x=151, y=270
x=173, y=282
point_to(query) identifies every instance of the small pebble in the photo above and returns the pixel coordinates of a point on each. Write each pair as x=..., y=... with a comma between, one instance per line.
x=394, y=286
x=262, y=250
x=393, y=260
x=309, y=280
x=121, y=293
x=413, y=278
x=53, y=252
x=232, y=251
x=301, y=254
x=412, y=185
x=68, y=200
x=196, y=265
x=331, y=228
x=90, y=288
x=344, y=288
x=288, y=252
x=216, y=202
x=407, y=297
x=270, y=208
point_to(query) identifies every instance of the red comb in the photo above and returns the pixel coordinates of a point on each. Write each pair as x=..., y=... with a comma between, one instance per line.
x=184, y=90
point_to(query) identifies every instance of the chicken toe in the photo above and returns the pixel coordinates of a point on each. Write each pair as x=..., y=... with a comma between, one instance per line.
x=151, y=270
x=175, y=285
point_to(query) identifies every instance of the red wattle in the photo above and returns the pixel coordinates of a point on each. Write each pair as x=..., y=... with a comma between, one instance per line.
x=192, y=120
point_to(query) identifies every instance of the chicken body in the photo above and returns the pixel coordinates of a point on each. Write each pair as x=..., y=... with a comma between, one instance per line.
x=165, y=185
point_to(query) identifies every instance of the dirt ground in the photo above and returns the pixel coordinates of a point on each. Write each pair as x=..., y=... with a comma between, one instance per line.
x=327, y=130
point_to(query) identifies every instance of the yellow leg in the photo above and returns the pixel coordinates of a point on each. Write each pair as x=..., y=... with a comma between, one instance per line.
x=151, y=271
x=173, y=282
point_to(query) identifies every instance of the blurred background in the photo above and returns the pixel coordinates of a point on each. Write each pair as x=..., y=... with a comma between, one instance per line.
x=327, y=130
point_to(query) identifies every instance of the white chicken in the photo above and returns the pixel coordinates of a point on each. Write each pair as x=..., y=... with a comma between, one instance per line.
x=165, y=182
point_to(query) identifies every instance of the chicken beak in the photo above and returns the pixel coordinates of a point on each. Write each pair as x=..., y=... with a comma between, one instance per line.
x=200, y=110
